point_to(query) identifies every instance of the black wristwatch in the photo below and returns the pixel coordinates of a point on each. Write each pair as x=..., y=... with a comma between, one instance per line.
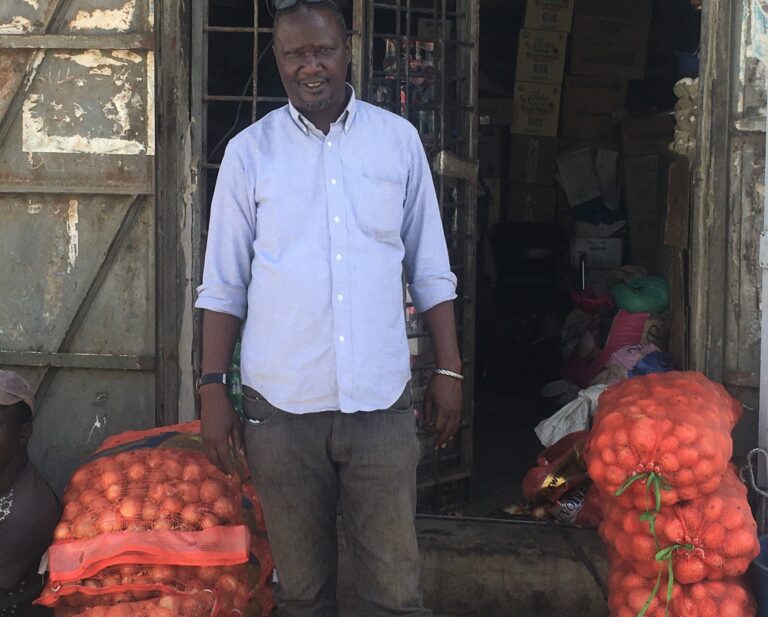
x=212, y=378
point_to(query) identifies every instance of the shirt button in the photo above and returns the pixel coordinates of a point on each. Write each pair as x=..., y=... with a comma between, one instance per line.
x=329, y=143
x=339, y=297
x=333, y=181
x=336, y=219
x=338, y=257
x=341, y=339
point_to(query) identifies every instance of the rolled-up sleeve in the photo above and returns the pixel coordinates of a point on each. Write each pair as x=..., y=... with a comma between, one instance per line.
x=231, y=233
x=427, y=267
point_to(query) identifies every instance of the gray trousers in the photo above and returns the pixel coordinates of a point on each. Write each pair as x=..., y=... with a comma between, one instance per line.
x=303, y=467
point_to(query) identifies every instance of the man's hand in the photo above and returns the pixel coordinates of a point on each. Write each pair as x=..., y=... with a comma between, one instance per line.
x=442, y=408
x=220, y=426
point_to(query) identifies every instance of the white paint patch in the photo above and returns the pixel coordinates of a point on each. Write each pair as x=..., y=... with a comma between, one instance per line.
x=34, y=208
x=151, y=103
x=35, y=137
x=117, y=20
x=90, y=58
x=117, y=111
x=124, y=54
x=73, y=244
x=104, y=71
x=151, y=14
x=79, y=111
x=17, y=25
x=33, y=3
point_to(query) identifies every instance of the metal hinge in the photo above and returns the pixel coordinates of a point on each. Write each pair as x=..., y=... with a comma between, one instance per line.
x=764, y=250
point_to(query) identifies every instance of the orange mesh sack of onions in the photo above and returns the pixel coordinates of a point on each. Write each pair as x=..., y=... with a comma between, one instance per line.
x=713, y=537
x=661, y=438
x=632, y=595
x=150, y=526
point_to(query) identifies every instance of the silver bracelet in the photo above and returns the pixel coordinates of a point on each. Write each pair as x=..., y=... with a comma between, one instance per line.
x=447, y=373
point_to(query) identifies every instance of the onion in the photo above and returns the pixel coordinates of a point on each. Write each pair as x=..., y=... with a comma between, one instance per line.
x=210, y=491
x=224, y=508
x=188, y=492
x=208, y=574
x=130, y=508
x=193, y=472
x=190, y=514
x=80, y=479
x=109, y=521
x=113, y=492
x=171, y=505
x=136, y=472
x=150, y=511
x=62, y=532
x=158, y=492
x=162, y=573
x=71, y=510
x=155, y=459
x=124, y=458
x=157, y=476
x=227, y=583
x=172, y=467
x=163, y=524
x=83, y=526
x=208, y=520
x=88, y=496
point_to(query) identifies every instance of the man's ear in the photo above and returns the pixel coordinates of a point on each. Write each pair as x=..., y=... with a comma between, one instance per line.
x=25, y=433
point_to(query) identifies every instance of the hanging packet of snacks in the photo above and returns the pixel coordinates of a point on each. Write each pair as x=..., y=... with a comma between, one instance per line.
x=151, y=526
x=661, y=438
x=631, y=595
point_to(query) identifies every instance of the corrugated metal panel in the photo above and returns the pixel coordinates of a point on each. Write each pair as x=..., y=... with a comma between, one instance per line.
x=77, y=138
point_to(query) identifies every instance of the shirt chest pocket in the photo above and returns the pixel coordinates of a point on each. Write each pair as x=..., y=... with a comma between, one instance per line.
x=379, y=207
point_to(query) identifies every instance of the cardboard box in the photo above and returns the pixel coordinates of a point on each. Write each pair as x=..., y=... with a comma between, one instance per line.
x=541, y=56
x=532, y=160
x=589, y=108
x=609, y=46
x=549, y=15
x=536, y=109
x=492, y=151
x=647, y=134
x=495, y=112
x=531, y=204
x=600, y=253
x=625, y=9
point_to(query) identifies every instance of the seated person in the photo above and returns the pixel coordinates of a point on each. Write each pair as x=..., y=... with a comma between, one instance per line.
x=29, y=509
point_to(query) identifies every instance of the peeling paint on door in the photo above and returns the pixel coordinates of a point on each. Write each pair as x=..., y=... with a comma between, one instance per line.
x=116, y=20
x=17, y=25
x=73, y=241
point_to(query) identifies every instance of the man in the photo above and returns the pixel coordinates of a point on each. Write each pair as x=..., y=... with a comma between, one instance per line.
x=316, y=209
x=29, y=510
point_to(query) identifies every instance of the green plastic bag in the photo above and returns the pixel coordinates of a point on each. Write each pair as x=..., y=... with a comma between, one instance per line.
x=648, y=294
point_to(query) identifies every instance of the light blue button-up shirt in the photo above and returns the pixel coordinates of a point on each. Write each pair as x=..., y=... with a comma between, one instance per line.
x=308, y=237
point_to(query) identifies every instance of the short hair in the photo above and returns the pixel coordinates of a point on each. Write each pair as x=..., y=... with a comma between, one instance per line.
x=21, y=410
x=328, y=5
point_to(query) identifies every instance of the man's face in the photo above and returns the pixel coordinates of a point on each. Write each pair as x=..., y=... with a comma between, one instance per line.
x=312, y=56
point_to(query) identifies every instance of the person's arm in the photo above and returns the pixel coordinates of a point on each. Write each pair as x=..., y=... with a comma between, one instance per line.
x=442, y=398
x=220, y=425
x=433, y=288
x=223, y=296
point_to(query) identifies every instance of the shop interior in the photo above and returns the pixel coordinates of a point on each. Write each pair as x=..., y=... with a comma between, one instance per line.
x=586, y=132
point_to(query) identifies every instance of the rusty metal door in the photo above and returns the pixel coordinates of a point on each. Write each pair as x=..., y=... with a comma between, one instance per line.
x=77, y=218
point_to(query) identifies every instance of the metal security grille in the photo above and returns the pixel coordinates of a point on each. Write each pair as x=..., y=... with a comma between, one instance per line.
x=417, y=58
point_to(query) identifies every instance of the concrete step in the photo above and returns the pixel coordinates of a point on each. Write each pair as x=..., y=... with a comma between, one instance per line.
x=477, y=568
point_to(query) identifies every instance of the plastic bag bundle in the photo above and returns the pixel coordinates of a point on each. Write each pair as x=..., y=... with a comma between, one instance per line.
x=661, y=438
x=630, y=594
x=150, y=525
x=712, y=537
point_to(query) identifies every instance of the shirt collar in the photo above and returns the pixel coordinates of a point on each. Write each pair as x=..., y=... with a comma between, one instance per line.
x=346, y=117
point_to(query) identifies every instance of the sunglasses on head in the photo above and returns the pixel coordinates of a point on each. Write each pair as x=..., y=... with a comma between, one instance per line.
x=286, y=4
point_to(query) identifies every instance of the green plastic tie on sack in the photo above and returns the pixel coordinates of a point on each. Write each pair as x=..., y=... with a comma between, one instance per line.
x=653, y=481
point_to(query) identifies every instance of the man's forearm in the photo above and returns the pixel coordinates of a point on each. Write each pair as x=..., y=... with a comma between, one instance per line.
x=441, y=326
x=220, y=332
